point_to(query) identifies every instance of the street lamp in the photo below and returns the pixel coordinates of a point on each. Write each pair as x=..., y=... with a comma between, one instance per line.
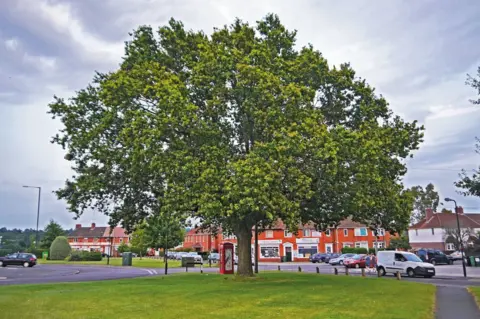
x=38, y=210
x=459, y=235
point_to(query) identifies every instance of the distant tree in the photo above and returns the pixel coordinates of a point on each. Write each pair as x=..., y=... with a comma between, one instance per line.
x=52, y=231
x=401, y=242
x=164, y=232
x=60, y=248
x=424, y=198
x=444, y=210
x=139, y=240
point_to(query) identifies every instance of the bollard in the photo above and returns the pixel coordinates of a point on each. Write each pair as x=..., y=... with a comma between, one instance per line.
x=363, y=272
x=335, y=270
x=318, y=270
x=299, y=269
x=346, y=271
x=186, y=268
x=378, y=274
x=398, y=275
x=278, y=267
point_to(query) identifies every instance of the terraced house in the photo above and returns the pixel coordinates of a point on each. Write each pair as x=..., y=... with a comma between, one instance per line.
x=95, y=238
x=277, y=243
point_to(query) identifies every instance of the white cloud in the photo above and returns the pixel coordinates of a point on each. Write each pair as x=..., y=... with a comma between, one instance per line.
x=11, y=44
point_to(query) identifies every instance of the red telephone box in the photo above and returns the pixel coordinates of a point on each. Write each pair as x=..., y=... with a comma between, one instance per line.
x=227, y=260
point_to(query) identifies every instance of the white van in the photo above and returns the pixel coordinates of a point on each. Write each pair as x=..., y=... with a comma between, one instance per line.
x=404, y=262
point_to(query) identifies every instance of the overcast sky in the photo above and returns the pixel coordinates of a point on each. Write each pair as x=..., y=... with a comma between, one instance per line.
x=415, y=53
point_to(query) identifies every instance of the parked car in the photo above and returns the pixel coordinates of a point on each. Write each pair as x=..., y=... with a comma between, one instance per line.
x=196, y=256
x=317, y=258
x=433, y=256
x=180, y=255
x=214, y=257
x=340, y=259
x=357, y=261
x=456, y=255
x=329, y=256
x=405, y=262
x=20, y=259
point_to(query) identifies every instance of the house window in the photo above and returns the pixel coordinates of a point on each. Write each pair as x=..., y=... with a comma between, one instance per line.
x=347, y=245
x=287, y=234
x=345, y=232
x=450, y=246
x=360, y=232
x=433, y=231
x=269, y=234
x=327, y=233
x=379, y=244
x=381, y=232
x=95, y=240
x=121, y=240
x=316, y=234
x=75, y=240
x=361, y=244
x=269, y=252
x=306, y=233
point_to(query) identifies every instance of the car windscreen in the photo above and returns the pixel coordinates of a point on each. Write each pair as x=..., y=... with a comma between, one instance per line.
x=412, y=257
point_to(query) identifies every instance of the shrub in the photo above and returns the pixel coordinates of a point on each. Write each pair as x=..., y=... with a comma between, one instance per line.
x=38, y=252
x=60, y=248
x=4, y=252
x=84, y=256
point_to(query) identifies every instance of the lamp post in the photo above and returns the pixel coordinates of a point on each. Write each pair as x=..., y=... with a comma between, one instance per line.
x=459, y=235
x=38, y=210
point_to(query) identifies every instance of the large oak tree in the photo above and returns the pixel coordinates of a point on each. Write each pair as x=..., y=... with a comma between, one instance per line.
x=235, y=129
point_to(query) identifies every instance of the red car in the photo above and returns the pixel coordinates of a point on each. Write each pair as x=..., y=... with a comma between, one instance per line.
x=357, y=261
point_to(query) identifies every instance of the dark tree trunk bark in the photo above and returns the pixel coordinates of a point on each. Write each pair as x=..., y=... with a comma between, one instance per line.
x=244, y=239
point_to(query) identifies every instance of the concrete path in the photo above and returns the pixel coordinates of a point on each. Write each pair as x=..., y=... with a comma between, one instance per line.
x=455, y=303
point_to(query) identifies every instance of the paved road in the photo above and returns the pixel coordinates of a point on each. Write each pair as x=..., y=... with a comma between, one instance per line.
x=77, y=273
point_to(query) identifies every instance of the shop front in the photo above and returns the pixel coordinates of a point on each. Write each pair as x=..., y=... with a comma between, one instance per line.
x=269, y=250
x=305, y=248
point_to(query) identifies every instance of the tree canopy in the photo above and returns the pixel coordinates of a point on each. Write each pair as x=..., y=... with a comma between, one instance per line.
x=234, y=129
x=423, y=199
x=51, y=231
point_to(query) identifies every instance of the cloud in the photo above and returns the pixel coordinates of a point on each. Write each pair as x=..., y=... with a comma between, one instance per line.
x=417, y=55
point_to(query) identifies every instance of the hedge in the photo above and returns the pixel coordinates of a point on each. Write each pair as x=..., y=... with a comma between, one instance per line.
x=4, y=252
x=85, y=256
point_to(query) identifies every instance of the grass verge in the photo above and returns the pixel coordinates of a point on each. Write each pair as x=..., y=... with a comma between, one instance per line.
x=475, y=291
x=270, y=295
x=136, y=262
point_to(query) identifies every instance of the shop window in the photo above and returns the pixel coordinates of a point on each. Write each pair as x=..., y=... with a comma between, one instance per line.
x=306, y=251
x=269, y=252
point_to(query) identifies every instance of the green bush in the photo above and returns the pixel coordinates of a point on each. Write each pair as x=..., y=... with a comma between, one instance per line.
x=60, y=248
x=4, y=252
x=84, y=256
x=38, y=252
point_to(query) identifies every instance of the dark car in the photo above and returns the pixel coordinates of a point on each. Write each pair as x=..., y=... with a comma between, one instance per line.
x=317, y=258
x=20, y=259
x=330, y=256
x=433, y=256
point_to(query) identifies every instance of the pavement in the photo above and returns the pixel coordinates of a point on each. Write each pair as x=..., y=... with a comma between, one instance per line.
x=455, y=302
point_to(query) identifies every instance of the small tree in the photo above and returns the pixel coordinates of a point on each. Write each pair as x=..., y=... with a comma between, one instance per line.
x=401, y=242
x=452, y=235
x=60, y=248
x=139, y=240
x=52, y=231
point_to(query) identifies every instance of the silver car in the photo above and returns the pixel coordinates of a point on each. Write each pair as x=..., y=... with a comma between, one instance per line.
x=339, y=260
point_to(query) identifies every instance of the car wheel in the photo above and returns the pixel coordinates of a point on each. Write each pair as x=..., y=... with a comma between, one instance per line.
x=1, y=264
x=410, y=272
x=26, y=264
x=341, y=262
x=381, y=271
x=433, y=262
x=357, y=266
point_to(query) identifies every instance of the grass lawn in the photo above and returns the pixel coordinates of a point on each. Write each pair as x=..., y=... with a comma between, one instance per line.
x=136, y=262
x=270, y=295
x=476, y=293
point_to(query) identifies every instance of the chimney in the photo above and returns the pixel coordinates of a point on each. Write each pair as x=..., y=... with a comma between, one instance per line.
x=93, y=225
x=428, y=213
x=77, y=226
x=460, y=210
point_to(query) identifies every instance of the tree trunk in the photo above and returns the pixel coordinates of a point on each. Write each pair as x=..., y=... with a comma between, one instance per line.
x=244, y=246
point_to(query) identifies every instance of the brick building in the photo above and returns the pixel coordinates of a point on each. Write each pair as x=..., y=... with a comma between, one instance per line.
x=433, y=231
x=95, y=238
x=278, y=242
